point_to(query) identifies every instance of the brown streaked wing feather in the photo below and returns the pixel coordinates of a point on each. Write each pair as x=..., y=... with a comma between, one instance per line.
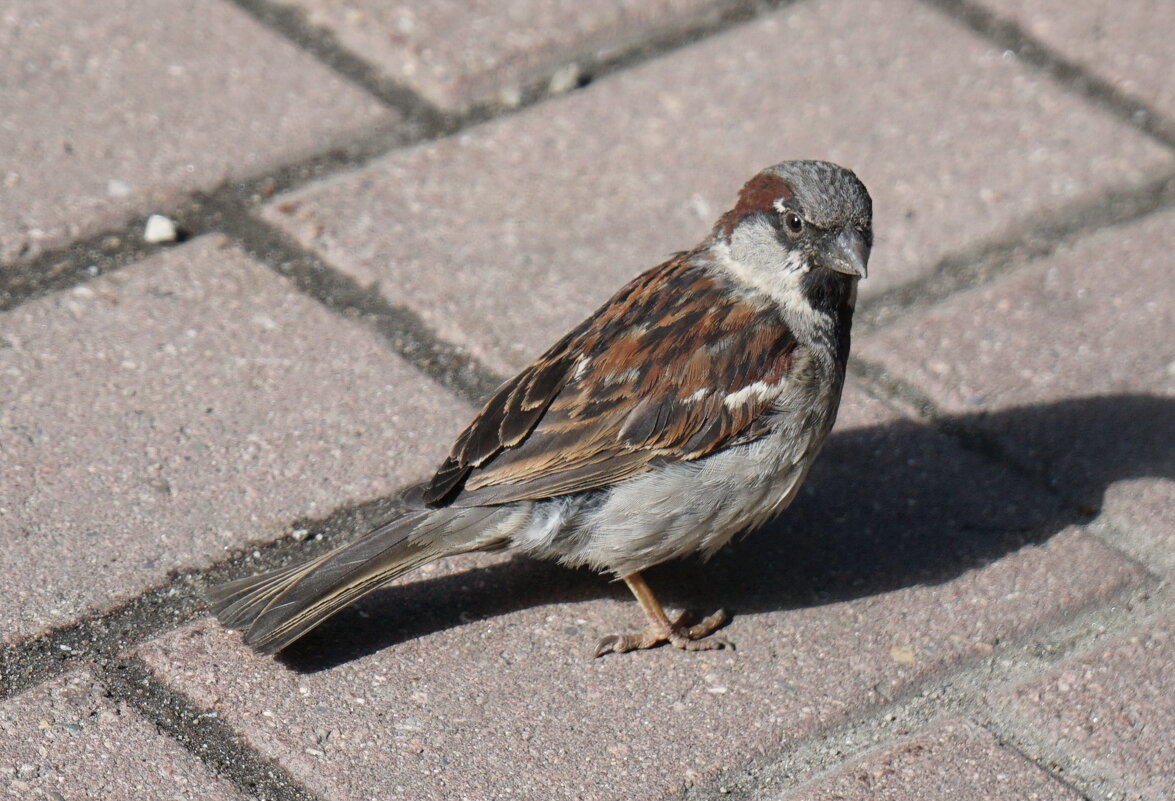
x=664, y=355
x=504, y=421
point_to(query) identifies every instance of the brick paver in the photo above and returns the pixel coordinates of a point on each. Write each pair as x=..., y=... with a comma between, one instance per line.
x=953, y=759
x=1127, y=43
x=178, y=408
x=1114, y=706
x=195, y=402
x=1071, y=365
x=67, y=739
x=476, y=680
x=455, y=53
x=113, y=109
x=505, y=236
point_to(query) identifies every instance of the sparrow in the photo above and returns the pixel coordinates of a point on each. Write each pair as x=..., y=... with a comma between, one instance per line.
x=686, y=409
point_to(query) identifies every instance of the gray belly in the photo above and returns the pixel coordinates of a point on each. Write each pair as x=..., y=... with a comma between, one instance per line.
x=681, y=508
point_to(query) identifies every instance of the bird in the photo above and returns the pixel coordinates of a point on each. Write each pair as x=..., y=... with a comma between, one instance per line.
x=688, y=408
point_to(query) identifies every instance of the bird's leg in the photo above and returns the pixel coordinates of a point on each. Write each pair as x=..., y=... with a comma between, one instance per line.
x=661, y=629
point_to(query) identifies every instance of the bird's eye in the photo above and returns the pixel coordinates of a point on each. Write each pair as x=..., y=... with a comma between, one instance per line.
x=794, y=223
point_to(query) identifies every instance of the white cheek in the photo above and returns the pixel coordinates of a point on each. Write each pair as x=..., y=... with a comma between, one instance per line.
x=754, y=258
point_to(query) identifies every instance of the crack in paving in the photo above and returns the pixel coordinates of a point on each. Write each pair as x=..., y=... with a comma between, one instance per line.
x=960, y=691
x=1041, y=236
x=1069, y=74
x=200, y=732
x=592, y=60
x=409, y=337
x=227, y=209
x=81, y=261
x=290, y=22
x=106, y=634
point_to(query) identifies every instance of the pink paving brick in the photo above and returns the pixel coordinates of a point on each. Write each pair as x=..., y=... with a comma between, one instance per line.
x=1114, y=706
x=1070, y=364
x=120, y=108
x=952, y=759
x=474, y=679
x=455, y=53
x=195, y=402
x=503, y=237
x=1128, y=43
x=67, y=739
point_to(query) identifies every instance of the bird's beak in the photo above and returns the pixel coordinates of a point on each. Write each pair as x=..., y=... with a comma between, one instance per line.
x=848, y=253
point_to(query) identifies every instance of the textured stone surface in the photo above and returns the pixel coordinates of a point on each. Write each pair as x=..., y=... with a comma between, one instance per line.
x=1070, y=364
x=1129, y=43
x=505, y=236
x=454, y=52
x=953, y=759
x=118, y=108
x=474, y=679
x=194, y=402
x=66, y=739
x=1114, y=706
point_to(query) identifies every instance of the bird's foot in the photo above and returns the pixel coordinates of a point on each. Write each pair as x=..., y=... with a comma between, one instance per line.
x=689, y=638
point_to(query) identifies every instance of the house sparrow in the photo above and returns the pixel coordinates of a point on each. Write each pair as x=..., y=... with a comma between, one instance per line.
x=688, y=408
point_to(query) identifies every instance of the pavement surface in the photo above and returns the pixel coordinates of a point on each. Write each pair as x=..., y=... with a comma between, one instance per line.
x=385, y=209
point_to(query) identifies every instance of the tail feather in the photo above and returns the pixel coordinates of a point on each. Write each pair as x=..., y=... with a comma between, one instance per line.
x=279, y=607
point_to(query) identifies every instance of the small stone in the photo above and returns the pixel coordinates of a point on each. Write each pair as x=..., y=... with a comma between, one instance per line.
x=300, y=535
x=510, y=96
x=903, y=655
x=565, y=79
x=159, y=229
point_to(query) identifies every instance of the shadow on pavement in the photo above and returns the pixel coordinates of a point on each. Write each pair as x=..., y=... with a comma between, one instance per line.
x=886, y=507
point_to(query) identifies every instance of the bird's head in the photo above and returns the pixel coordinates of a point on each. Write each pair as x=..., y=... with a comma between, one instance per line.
x=800, y=226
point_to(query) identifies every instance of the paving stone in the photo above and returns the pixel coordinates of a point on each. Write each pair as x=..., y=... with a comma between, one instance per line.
x=1113, y=706
x=67, y=739
x=119, y=108
x=505, y=236
x=474, y=679
x=456, y=53
x=152, y=418
x=952, y=759
x=1069, y=363
x=1128, y=43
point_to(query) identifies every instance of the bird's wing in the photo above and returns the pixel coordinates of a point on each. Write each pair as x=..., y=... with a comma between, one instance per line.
x=674, y=367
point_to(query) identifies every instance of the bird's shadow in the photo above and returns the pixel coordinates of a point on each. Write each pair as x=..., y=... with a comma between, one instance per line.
x=886, y=507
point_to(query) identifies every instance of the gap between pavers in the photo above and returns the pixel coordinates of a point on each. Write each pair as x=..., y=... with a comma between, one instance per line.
x=1128, y=44
x=118, y=109
x=193, y=403
x=505, y=235
x=68, y=739
x=951, y=760
x=1080, y=336
x=1111, y=707
x=904, y=558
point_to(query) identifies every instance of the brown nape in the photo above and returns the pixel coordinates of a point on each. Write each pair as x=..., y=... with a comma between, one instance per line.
x=757, y=194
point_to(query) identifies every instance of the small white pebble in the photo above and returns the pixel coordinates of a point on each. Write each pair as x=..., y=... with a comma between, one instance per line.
x=159, y=229
x=510, y=96
x=300, y=535
x=564, y=79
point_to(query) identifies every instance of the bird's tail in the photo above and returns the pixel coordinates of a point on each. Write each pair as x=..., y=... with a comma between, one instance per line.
x=277, y=608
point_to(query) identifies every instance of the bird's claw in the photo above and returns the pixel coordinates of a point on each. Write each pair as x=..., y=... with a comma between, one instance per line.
x=678, y=634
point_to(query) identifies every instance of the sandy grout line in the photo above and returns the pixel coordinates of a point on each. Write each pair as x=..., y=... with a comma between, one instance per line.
x=201, y=733
x=1069, y=74
x=959, y=691
x=165, y=608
